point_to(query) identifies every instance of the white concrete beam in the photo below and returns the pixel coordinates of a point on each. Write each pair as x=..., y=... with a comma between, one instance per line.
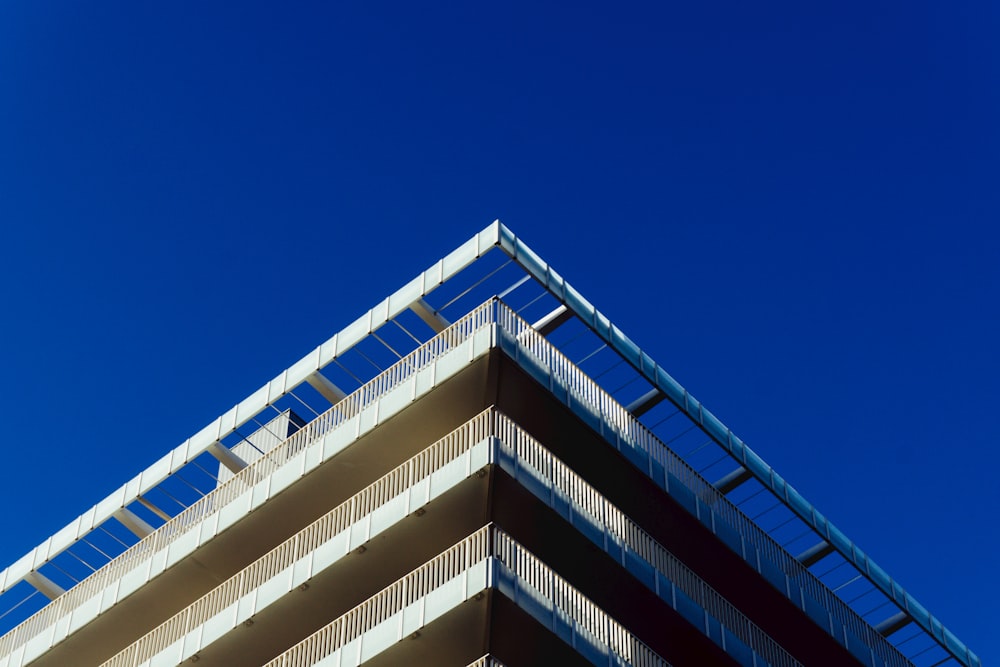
x=154, y=509
x=433, y=319
x=44, y=585
x=553, y=320
x=327, y=389
x=226, y=457
x=733, y=480
x=646, y=402
x=133, y=522
x=815, y=553
x=893, y=624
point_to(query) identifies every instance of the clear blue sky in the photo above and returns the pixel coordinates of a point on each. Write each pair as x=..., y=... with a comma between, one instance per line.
x=792, y=206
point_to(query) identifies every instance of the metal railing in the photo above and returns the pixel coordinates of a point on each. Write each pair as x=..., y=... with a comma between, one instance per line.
x=220, y=497
x=565, y=484
x=617, y=424
x=529, y=452
x=353, y=510
x=532, y=576
x=486, y=661
x=627, y=431
x=389, y=601
x=589, y=620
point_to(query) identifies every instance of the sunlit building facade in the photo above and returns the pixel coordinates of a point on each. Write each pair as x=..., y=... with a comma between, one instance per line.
x=480, y=470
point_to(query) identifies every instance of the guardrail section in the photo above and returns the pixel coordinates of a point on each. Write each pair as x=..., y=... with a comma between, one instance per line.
x=414, y=375
x=486, y=661
x=374, y=509
x=488, y=438
x=555, y=484
x=616, y=425
x=491, y=324
x=489, y=558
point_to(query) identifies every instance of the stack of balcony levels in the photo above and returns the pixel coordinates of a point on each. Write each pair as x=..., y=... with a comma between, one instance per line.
x=482, y=470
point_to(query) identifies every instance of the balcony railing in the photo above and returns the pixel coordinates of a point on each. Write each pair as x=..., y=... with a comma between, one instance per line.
x=487, y=661
x=351, y=408
x=529, y=457
x=354, y=521
x=456, y=561
x=509, y=568
x=609, y=528
x=615, y=423
x=672, y=473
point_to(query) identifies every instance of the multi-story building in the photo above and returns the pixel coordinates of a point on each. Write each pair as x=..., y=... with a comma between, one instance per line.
x=482, y=469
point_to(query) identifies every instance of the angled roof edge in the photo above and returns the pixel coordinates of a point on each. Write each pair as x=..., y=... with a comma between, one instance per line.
x=724, y=437
x=245, y=410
